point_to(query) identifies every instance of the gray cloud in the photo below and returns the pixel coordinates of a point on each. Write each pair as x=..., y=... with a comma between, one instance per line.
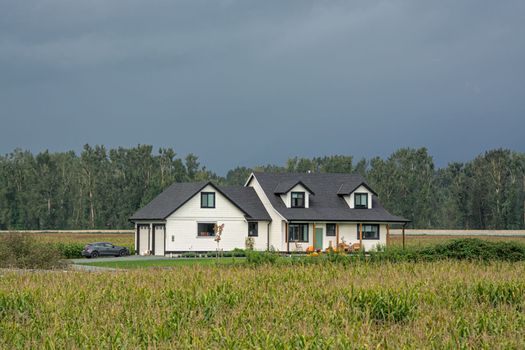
x=249, y=82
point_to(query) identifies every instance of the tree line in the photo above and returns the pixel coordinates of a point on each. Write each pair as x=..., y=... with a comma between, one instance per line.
x=101, y=188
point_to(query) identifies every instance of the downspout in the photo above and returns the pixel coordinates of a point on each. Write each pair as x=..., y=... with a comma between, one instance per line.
x=268, y=236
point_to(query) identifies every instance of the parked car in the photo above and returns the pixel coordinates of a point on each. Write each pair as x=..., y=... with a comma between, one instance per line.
x=94, y=250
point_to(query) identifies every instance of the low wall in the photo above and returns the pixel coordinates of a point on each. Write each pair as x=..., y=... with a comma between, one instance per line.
x=415, y=232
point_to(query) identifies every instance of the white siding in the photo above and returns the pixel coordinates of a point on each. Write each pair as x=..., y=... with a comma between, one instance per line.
x=287, y=197
x=277, y=240
x=136, y=238
x=261, y=239
x=361, y=189
x=348, y=233
x=181, y=226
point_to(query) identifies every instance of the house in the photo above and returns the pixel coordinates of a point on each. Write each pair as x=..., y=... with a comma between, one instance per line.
x=283, y=211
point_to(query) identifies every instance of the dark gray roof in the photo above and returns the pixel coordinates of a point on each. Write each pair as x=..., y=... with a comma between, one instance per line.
x=178, y=194
x=326, y=204
x=347, y=188
x=247, y=199
x=285, y=186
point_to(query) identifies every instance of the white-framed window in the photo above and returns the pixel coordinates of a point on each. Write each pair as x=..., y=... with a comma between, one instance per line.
x=206, y=229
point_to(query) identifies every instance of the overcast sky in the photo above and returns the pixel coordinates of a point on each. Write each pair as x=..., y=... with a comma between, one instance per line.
x=255, y=82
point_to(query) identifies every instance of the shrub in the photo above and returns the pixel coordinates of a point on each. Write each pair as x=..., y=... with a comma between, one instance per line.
x=249, y=243
x=261, y=258
x=456, y=249
x=70, y=250
x=18, y=250
x=475, y=249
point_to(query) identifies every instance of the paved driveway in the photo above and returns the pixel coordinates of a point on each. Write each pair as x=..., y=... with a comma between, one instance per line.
x=120, y=258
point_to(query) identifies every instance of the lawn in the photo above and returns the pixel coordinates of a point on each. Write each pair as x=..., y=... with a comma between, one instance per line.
x=137, y=264
x=445, y=304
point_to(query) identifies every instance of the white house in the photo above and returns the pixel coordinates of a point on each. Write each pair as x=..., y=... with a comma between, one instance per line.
x=283, y=211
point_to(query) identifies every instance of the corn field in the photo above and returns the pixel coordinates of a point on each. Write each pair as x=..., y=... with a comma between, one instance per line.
x=446, y=304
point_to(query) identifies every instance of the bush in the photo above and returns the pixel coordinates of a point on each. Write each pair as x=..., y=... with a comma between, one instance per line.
x=475, y=249
x=261, y=258
x=19, y=250
x=70, y=250
x=456, y=249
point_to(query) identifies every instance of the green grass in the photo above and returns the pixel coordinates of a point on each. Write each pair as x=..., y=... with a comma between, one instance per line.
x=139, y=264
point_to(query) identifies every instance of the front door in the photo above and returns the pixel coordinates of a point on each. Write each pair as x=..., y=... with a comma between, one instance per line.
x=318, y=238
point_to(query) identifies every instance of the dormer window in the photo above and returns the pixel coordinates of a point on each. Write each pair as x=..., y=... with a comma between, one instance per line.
x=361, y=200
x=207, y=199
x=297, y=199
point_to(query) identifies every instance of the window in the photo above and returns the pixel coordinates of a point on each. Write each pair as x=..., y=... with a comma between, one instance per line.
x=298, y=233
x=253, y=229
x=205, y=229
x=207, y=199
x=369, y=231
x=172, y=238
x=297, y=200
x=361, y=200
x=330, y=229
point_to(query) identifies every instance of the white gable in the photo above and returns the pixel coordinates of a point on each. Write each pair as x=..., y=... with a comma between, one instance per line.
x=224, y=208
x=361, y=189
x=287, y=197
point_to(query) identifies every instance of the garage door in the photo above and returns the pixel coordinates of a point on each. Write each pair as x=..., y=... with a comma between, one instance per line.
x=159, y=240
x=143, y=239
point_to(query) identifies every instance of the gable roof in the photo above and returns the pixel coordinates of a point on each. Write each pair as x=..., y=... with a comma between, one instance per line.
x=176, y=195
x=348, y=188
x=286, y=186
x=327, y=204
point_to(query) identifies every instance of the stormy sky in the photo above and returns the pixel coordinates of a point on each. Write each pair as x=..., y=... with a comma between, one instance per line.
x=254, y=82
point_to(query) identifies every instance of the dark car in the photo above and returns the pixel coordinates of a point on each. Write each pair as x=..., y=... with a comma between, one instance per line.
x=94, y=250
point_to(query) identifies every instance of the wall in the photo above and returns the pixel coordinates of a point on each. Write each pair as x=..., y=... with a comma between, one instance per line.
x=277, y=224
x=348, y=233
x=181, y=226
x=286, y=197
x=361, y=189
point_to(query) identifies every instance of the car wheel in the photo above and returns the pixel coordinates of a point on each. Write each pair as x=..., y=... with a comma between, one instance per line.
x=123, y=253
x=94, y=254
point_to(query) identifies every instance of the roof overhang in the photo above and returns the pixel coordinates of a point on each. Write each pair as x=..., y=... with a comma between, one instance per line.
x=290, y=186
x=342, y=192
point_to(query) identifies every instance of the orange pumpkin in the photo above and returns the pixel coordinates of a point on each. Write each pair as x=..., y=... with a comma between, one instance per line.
x=310, y=249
